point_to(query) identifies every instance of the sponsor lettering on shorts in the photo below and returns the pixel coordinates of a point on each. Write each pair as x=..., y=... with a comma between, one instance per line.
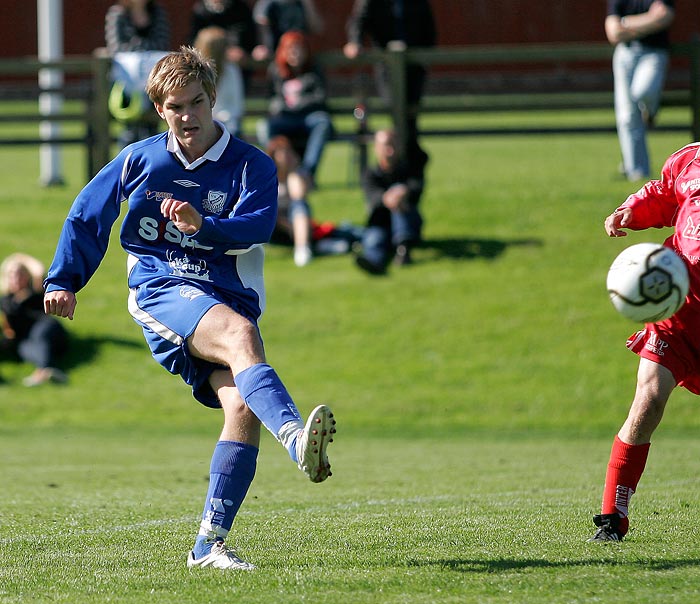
x=656, y=345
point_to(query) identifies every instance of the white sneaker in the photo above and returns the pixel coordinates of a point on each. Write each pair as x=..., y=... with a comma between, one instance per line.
x=302, y=255
x=43, y=375
x=221, y=556
x=312, y=442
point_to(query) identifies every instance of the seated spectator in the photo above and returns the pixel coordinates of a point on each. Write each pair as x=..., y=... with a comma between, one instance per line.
x=28, y=334
x=298, y=102
x=137, y=34
x=230, y=96
x=392, y=192
x=293, y=213
x=277, y=17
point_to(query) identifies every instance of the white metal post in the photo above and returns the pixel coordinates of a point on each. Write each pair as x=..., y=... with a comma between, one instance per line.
x=50, y=38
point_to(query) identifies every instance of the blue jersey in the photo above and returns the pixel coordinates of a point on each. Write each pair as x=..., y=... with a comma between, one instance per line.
x=235, y=190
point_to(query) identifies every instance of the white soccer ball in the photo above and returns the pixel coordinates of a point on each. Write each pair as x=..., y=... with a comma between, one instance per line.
x=648, y=282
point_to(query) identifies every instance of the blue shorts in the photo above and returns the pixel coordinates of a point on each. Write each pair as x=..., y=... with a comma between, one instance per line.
x=169, y=310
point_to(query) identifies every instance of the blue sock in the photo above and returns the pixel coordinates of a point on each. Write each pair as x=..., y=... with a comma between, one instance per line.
x=231, y=473
x=264, y=393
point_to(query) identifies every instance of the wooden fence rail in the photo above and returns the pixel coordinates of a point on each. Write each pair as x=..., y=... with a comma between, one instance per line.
x=94, y=117
x=96, y=120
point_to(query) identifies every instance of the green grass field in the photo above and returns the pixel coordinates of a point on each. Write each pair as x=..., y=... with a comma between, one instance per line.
x=477, y=393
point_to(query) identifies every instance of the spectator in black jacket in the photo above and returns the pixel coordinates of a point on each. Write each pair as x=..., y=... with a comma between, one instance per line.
x=27, y=333
x=392, y=191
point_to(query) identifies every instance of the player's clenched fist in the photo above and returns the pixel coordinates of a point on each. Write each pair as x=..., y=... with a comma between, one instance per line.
x=617, y=221
x=184, y=216
x=60, y=303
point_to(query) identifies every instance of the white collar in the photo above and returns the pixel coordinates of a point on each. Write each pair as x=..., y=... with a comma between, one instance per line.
x=212, y=154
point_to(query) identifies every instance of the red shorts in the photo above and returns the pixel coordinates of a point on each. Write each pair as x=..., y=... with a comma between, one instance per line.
x=674, y=344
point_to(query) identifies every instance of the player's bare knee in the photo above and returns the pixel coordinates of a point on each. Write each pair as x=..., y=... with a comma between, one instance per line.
x=243, y=345
x=236, y=330
x=234, y=406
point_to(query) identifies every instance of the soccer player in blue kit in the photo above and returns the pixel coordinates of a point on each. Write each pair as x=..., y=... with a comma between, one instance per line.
x=201, y=204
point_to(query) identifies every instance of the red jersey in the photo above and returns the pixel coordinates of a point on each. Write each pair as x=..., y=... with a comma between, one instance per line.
x=674, y=201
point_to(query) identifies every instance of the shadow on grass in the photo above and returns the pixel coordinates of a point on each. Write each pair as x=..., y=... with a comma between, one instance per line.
x=468, y=248
x=83, y=350
x=504, y=564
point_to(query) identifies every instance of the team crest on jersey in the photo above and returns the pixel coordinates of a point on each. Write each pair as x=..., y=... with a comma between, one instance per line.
x=214, y=202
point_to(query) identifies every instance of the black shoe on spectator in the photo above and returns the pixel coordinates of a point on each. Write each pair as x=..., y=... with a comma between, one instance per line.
x=371, y=267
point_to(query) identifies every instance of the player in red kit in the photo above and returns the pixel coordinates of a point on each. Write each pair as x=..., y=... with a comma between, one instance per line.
x=669, y=350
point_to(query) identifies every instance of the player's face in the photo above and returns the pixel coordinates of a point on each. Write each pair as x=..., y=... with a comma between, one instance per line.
x=188, y=113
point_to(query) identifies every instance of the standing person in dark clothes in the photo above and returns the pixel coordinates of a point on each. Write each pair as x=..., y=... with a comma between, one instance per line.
x=236, y=18
x=639, y=30
x=408, y=22
x=276, y=17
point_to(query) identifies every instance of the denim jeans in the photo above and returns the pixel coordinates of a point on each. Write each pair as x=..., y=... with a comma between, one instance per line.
x=387, y=229
x=315, y=128
x=639, y=72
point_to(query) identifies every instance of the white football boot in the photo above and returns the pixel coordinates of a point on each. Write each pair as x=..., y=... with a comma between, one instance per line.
x=312, y=442
x=221, y=556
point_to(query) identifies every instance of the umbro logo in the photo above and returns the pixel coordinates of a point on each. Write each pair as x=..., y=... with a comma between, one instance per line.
x=186, y=183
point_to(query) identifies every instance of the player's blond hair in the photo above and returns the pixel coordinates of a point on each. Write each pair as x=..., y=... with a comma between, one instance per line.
x=178, y=69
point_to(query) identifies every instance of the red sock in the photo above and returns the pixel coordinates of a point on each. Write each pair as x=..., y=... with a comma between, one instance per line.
x=624, y=471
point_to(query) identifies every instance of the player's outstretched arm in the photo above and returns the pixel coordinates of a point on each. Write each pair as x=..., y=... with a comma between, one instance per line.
x=60, y=303
x=617, y=221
